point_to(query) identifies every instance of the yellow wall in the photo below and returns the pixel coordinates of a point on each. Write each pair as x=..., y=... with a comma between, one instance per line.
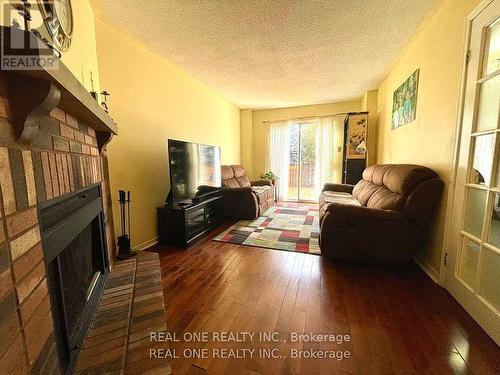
x=81, y=58
x=153, y=100
x=260, y=130
x=246, y=140
x=436, y=49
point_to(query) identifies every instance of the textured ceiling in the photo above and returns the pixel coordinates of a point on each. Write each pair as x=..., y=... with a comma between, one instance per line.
x=269, y=54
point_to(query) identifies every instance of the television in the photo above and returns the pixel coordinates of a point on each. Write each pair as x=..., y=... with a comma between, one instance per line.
x=195, y=171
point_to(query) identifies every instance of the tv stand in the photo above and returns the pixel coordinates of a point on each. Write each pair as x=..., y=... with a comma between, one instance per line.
x=181, y=225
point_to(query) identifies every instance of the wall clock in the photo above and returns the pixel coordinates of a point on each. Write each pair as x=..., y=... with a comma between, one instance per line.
x=58, y=19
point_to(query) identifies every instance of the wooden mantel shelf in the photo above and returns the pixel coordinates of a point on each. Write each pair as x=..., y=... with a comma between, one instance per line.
x=38, y=91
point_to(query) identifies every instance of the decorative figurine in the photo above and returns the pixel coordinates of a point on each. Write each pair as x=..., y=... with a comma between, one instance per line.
x=24, y=11
x=93, y=92
x=104, y=104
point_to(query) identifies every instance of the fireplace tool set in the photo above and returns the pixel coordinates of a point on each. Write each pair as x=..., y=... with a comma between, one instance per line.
x=124, y=251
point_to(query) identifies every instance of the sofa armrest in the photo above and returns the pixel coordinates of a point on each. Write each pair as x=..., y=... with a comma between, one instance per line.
x=203, y=189
x=261, y=183
x=341, y=188
x=236, y=190
x=239, y=203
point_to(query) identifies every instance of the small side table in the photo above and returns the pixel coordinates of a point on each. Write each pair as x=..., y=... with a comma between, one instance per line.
x=276, y=186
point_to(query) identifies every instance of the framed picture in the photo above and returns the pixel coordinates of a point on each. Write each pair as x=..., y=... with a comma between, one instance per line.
x=358, y=125
x=404, y=101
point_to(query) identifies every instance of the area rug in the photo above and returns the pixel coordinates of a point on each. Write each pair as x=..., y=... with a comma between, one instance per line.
x=281, y=228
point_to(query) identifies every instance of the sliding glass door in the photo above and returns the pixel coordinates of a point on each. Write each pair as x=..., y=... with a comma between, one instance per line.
x=305, y=155
x=303, y=184
x=294, y=160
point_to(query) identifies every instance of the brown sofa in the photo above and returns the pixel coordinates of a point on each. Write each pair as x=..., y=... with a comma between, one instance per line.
x=383, y=218
x=242, y=198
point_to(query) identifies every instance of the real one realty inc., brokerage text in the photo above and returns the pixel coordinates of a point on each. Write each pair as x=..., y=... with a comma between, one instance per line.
x=293, y=345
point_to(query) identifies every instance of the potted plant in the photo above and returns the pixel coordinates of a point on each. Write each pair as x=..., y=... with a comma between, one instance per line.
x=270, y=176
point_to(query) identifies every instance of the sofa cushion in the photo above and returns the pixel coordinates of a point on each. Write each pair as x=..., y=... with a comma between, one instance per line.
x=328, y=197
x=243, y=181
x=363, y=191
x=233, y=176
x=227, y=175
x=226, y=172
x=375, y=173
x=238, y=170
x=387, y=186
x=337, y=197
x=403, y=178
x=230, y=183
x=384, y=199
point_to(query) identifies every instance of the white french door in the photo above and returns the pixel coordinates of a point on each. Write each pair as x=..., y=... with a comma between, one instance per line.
x=473, y=251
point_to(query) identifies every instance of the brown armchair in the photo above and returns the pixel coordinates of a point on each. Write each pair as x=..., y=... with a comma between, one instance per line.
x=242, y=198
x=383, y=218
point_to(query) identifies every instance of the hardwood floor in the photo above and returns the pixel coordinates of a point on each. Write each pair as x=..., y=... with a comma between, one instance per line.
x=398, y=320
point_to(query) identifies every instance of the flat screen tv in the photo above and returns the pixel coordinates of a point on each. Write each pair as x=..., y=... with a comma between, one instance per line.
x=195, y=170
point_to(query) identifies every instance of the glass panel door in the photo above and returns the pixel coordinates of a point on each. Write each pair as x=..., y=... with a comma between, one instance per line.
x=303, y=179
x=308, y=180
x=479, y=228
x=293, y=170
x=308, y=154
x=474, y=243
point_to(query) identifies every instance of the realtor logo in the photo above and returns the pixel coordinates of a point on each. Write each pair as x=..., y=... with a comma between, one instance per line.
x=21, y=49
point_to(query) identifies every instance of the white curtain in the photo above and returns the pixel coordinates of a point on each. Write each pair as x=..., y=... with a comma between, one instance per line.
x=328, y=146
x=338, y=144
x=278, y=155
x=328, y=150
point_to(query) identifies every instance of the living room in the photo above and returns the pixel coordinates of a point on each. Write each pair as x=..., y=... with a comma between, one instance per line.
x=250, y=187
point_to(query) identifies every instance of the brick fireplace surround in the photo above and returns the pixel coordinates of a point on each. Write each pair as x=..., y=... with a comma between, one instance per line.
x=64, y=159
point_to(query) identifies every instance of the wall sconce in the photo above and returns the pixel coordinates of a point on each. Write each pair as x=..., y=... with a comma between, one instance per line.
x=362, y=149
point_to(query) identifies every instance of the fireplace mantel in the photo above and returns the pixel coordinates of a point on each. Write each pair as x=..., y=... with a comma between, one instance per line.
x=38, y=92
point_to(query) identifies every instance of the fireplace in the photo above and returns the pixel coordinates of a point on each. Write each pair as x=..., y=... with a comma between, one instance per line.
x=76, y=262
x=53, y=137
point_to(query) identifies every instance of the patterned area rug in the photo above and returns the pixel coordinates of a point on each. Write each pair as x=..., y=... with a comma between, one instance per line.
x=281, y=228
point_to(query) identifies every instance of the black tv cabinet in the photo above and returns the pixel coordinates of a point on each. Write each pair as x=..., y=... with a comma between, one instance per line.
x=181, y=225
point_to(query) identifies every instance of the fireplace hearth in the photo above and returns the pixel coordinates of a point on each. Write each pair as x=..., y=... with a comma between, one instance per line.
x=76, y=261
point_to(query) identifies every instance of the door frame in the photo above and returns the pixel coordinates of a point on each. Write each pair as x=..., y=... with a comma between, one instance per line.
x=451, y=206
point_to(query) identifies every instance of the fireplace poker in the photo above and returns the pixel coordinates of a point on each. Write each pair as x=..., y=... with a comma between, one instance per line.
x=128, y=209
x=121, y=194
x=124, y=251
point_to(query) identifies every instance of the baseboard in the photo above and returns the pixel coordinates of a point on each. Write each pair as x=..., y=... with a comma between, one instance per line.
x=146, y=244
x=428, y=269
